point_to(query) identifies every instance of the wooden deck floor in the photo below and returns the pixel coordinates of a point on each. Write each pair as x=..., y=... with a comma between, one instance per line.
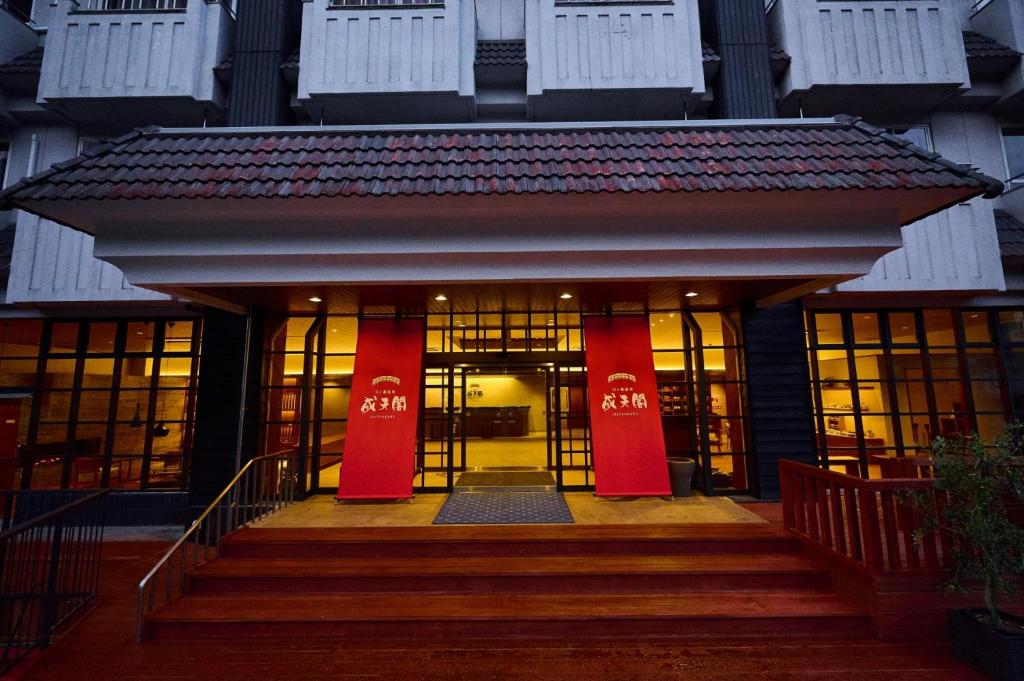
x=101, y=647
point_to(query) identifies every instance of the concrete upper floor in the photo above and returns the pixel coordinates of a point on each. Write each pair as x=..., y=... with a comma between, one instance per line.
x=945, y=73
x=169, y=62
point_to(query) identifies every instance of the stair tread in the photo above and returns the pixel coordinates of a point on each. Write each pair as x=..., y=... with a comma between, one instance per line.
x=512, y=533
x=448, y=607
x=230, y=567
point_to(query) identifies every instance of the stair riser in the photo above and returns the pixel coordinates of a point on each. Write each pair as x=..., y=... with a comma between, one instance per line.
x=560, y=584
x=441, y=549
x=838, y=627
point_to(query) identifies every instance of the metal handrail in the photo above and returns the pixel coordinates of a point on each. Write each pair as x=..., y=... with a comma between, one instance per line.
x=262, y=486
x=49, y=569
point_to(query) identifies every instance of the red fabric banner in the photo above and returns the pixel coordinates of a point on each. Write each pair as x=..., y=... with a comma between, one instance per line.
x=625, y=419
x=380, y=441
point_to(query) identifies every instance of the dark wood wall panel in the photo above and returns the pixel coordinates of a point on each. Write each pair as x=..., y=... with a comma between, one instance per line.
x=221, y=369
x=779, y=393
x=738, y=31
x=267, y=32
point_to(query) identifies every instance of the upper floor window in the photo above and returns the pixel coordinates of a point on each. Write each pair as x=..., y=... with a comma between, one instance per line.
x=5, y=154
x=19, y=8
x=385, y=3
x=87, y=144
x=132, y=5
x=1013, y=150
x=918, y=135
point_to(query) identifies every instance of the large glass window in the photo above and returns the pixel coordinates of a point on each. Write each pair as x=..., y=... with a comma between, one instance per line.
x=886, y=383
x=698, y=364
x=1013, y=149
x=109, y=403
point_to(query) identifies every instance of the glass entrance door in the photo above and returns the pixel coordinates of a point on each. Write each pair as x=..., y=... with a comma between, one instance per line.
x=505, y=416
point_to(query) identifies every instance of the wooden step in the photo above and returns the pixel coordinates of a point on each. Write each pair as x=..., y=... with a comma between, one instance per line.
x=538, y=574
x=777, y=614
x=507, y=540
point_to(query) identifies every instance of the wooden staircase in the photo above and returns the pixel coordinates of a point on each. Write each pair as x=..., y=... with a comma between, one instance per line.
x=511, y=581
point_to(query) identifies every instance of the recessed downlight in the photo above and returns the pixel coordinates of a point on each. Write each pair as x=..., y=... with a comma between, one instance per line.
x=565, y=296
x=440, y=297
x=316, y=299
x=691, y=294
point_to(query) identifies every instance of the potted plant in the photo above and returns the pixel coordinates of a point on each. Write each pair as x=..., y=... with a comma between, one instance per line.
x=976, y=484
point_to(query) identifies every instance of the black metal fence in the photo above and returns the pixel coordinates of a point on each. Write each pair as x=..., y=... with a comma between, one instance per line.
x=49, y=565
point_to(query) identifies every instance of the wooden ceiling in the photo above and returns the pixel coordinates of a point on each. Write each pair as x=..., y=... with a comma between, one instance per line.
x=495, y=297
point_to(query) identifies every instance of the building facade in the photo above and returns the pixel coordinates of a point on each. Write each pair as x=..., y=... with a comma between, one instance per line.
x=813, y=204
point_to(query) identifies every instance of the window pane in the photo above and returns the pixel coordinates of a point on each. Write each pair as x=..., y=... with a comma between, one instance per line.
x=342, y=333
x=97, y=373
x=871, y=365
x=912, y=397
x=101, y=337
x=907, y=365
x=1012, y=324
x=988, y=396
x=17, y=373
x=140, y=337
x=178, y=337
x=939, y=328
x=93, y=405
x=917, y=430
x=55, y=405
x=945, y=365
x=20, y=339
x=832, y=366
x=982, y=364
x=976, y=327
x=865, y=329
x=950, y=396
x=829, y=328
x=990, y=425
x=1013, y=144
x=666, y=331
x=903, y=327
x=64, y=337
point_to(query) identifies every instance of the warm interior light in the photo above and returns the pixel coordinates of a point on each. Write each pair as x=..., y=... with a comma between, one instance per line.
x=440, y=297
x=315, y=299
x=691, y=294
x=566, y=296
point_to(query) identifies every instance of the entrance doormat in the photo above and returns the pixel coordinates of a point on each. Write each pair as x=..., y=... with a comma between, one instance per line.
x=504, y=508
x=505, y=479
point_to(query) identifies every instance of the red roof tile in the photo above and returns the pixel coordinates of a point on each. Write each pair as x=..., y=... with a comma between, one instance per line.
x=338, y=162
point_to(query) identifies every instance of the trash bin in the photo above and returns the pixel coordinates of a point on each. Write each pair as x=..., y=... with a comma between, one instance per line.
x=680, y=472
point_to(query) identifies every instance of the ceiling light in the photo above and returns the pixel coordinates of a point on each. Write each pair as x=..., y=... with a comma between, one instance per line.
x=315, y=299
x=691, y=294
x=566, y=296
x=551, y=322
x=440, y=297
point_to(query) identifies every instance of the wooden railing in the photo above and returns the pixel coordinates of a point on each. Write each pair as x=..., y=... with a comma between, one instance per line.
x=871, y=525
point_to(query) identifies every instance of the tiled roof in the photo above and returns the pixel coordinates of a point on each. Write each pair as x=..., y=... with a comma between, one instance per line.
x=500, y=52
x=978, y=46
x=772, y=155
x=27, y=63
x=1011, y=235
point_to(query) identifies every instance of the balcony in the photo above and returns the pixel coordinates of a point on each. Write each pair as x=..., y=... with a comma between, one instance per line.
x=136, y=62
x=626, y=60
x=1003, y=21
x=393, y=61
x=887, y=60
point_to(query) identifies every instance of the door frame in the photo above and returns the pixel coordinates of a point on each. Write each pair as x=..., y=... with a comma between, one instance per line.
x=458, y=363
